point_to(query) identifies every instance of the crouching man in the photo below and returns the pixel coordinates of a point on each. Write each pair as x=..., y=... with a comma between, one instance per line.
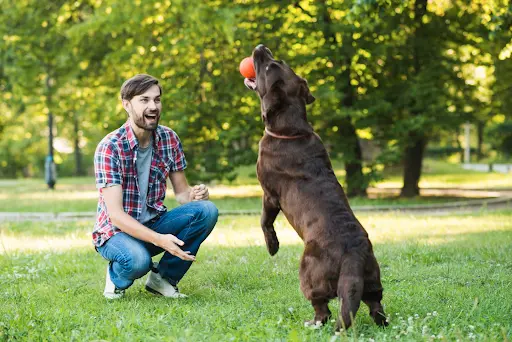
x=131, y=167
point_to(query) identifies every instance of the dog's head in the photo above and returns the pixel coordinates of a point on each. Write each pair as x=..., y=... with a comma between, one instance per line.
x=276, y=83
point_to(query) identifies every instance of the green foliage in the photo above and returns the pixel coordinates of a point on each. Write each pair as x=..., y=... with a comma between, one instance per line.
x=500, y=135
x=376, y=71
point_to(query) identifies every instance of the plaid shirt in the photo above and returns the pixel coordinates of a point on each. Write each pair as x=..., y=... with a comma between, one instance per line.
x=115, y=163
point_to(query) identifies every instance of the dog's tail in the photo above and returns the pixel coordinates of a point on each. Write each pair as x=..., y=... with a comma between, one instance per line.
x=350, y=288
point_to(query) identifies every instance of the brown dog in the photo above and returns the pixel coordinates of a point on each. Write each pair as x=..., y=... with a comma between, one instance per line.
x=296, y=175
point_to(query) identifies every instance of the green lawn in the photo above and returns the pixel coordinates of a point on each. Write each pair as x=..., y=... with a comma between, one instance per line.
x=435, y=173
x=445, y=278
x=79, y=194
x=441, y=174
x=86, y=201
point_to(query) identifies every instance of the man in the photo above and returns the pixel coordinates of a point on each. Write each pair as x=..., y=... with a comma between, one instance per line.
x=132, y=225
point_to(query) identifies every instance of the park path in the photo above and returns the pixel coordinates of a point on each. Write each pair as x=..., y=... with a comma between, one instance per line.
x=497, y=199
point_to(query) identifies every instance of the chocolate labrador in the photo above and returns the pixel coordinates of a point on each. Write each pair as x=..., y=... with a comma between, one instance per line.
x=296, y=175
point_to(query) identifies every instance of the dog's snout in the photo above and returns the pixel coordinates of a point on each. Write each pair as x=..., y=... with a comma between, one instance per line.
x=263, y=50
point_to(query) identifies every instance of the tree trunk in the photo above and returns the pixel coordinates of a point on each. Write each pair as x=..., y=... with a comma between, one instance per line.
x=79, y=170
x=461, y=149
x=356, y=184
x=480, y=132
x=413, y=161
x=353, y=156
x=413, y=157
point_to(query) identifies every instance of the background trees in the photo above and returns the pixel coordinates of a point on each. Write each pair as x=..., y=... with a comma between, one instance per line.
x=397, y=76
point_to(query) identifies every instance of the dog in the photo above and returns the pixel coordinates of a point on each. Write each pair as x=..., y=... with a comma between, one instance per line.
x=297, y=178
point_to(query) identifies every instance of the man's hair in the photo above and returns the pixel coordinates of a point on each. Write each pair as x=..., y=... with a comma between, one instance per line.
x=137, y=85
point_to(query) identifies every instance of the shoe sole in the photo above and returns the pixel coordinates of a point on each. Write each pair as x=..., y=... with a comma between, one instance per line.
x=149, y=289
x=112, y=297
x=153, y=291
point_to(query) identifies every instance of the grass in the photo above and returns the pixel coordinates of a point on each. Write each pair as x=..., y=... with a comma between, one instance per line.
x=445, y=278
x=86, y=200
x=435, y=173
x=80, y=195
x=441, y=174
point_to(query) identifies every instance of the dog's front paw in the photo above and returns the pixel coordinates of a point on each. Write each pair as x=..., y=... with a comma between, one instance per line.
x=272, y=243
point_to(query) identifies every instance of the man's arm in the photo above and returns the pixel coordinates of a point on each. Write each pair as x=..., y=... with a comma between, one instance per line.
x=113, y=197
x=183, y=192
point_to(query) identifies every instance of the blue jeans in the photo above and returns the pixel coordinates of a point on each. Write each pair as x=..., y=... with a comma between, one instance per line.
x=130, y=258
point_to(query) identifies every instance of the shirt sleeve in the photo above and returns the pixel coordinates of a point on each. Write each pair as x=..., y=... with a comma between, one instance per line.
x=180, y=163
x=107, y=167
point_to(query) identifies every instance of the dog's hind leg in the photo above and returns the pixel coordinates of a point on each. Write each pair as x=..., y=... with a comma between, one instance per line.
x=350, y=289
x=372, y=293
x=314, y=276
x=322, y=312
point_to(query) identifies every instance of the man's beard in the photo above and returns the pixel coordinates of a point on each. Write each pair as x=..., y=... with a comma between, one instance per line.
x=147, y=121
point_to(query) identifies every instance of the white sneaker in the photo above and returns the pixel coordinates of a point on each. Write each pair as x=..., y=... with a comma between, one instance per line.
x=111, y=292
x=158, y=285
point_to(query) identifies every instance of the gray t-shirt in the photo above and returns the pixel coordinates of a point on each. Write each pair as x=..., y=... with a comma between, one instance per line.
x=143, y=162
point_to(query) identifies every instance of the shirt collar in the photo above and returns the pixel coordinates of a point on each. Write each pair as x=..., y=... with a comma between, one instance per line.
x=132, y=139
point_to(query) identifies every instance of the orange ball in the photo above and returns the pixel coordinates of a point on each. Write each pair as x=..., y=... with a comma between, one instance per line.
x=247, y=68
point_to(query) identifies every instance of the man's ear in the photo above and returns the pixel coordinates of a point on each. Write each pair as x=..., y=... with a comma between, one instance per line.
x=306, y=93
x=126, y=105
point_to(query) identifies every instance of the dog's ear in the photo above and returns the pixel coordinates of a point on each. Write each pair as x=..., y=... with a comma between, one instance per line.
x=306, y=94
x=276, y=94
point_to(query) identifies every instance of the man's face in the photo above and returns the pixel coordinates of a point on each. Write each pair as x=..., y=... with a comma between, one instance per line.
x=144, y=109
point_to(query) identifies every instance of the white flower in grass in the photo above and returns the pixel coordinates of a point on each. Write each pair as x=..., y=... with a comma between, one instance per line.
x=416, y=316
x=424, y=330
x=471, y=327
x=434, y=313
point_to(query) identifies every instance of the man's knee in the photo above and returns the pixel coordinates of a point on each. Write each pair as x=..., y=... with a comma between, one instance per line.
x=137, y=263
x=210, y=213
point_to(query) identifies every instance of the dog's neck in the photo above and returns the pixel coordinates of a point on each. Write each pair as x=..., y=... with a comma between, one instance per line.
x=288, y=137
x=281, y=124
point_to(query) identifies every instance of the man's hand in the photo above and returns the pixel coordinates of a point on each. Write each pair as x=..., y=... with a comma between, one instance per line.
x=198, y=193
x=171, y=244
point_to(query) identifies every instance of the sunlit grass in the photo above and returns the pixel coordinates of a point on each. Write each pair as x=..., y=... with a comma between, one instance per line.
x=80, y=195
x=441, y=174
x=244, y=231
x=445, y=278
